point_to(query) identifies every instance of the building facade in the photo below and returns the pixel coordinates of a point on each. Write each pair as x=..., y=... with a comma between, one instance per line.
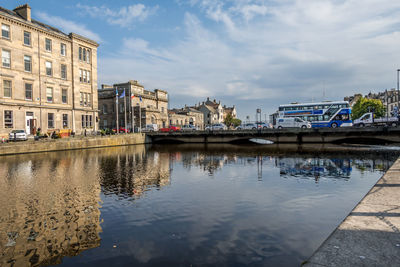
x=48, y=79
x=214, y=112
x=141, y=106
x=186, y=116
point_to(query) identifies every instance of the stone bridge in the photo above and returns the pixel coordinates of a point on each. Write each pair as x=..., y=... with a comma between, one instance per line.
x=375, y=135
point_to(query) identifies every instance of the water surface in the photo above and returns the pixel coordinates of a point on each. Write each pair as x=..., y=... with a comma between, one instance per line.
x=181, y=205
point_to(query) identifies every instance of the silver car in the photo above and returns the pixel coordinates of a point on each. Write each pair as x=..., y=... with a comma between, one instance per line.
x=216, y=127
x=18, y=135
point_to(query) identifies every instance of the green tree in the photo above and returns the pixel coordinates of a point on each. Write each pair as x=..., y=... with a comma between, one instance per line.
x=364, y=105
x=231, y=121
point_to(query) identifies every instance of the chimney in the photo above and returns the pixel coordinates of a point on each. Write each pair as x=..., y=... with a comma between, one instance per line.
x=24, y=11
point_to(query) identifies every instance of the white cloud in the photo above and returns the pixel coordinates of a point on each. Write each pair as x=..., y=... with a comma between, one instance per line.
x=67, y=26
x=270, y=52
x=124, y=17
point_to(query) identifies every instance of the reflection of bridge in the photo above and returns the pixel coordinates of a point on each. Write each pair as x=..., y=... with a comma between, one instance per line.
x=318, y=135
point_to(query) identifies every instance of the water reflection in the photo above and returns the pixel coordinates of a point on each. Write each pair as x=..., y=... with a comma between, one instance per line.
x=160, y=205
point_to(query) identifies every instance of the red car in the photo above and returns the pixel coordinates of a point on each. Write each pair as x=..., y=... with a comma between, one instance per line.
x=170, y=129
x=121, y=130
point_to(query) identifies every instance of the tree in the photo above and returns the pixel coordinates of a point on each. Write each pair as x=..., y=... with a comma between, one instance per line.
x=231, y=121
x=364, y=105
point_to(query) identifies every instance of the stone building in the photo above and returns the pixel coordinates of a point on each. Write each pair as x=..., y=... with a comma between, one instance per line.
x=389, y=99
x=152, y=107
x=186, y=116
x=48, y=79
x=214, y=112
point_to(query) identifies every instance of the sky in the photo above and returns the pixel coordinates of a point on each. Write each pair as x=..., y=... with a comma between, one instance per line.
x=248, y=53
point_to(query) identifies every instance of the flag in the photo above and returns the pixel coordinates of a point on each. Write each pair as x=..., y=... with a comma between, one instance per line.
x=140, y=98
x=132, y=96
x=123, y=94
x=116, y=92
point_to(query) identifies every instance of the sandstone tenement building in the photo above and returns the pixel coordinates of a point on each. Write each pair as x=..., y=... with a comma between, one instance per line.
x=48, y=79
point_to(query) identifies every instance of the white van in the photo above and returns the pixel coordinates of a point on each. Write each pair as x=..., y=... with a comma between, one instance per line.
x=150, y=128
x=292, y=123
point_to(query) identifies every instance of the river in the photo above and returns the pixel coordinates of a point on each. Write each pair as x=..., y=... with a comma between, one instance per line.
x=180, y=205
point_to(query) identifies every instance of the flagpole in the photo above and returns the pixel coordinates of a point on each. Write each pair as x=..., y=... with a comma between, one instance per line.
x=132, y=114
x=125, y=111
x=140, y=113
x=116, y=103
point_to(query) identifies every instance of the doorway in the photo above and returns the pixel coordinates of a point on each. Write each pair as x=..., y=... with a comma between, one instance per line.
x=29, y=122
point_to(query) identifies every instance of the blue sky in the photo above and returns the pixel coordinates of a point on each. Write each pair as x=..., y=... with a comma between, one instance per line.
x=252, y=53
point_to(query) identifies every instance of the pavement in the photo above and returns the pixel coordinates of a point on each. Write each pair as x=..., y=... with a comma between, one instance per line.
x=370, y=234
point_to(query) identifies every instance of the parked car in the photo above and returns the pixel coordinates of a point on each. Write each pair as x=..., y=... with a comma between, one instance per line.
x=265, y=125
x=150, y=128
x=121, y=130
x=292, y=123
x=216, y=127
x=18, y=135
x=247, y=126
x=171, y=128
x=189, y=127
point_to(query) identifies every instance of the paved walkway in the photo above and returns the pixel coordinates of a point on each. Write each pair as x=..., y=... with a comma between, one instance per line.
x=370, y=235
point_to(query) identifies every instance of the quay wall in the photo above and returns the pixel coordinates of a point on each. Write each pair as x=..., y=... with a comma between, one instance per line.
x=72, y=143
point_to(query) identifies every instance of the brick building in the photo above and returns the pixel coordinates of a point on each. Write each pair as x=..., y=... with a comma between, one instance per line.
x=48, y=79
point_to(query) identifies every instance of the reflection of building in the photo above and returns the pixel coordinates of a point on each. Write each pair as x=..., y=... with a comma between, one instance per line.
x=150, y=106
x=50, y=209
x=48, y=79
x=315, y=167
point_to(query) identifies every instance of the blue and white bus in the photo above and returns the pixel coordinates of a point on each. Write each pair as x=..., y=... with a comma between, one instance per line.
x=323, y=114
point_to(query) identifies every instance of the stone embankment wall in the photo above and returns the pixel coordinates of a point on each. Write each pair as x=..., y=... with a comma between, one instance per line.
x=72, y=143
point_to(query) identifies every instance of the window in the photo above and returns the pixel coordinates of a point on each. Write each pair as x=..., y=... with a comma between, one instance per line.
x=48, y=45
x=105, y=109
x=8, y=119
x=89, y=100
x=28, y=63
x=65, y=120
x=63, y=49
x=6, y=58
x=28, y=91
x=49, y=68
x=84, y=55
x=80, y=76
x=80, y=53
x=88, y=76
x=81, y=99
x=90, y=121
x=27, y=38
x=49, y=94
x=84, y=76
x=5, y=31
x=7, y=87
x=105, y=123
x=63, y=71
x=50, y=120
x=88, y=56
x=83, y=121
x=85, y=99
x=64, y=96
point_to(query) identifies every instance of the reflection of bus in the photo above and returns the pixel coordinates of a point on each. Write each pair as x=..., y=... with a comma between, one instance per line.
x=315, y=167
x=323, y=114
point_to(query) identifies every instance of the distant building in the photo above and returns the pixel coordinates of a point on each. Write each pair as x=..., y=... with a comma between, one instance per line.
x=186, y=116
x=150, y=107
x=48, y=78
x=214, y=112
x=388, y=98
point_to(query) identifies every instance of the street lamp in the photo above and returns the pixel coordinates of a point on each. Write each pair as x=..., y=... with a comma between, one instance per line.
x=398, y=94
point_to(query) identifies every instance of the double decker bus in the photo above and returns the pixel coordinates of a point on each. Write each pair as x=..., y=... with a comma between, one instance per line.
x=322, y=114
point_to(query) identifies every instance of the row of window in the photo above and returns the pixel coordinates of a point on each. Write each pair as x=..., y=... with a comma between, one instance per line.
x=84, y=76
x=5, y=33
x=6, y=63
x=84, y=54
x=313, y=107
x=87, y=121
x=85, y=99
x=9, y=120
x=8, y=92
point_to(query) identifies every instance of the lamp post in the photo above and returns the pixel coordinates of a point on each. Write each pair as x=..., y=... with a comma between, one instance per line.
x=398, y=93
